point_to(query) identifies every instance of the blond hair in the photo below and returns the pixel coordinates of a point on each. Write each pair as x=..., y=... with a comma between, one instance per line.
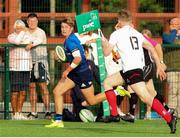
x=19, y=22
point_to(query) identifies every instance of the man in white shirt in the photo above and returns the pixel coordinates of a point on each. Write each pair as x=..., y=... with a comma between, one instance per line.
x=129, y=43
x=40, y=72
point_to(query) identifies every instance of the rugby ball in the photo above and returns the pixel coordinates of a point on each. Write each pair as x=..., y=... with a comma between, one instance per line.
x=86, y=116
x=60, y=52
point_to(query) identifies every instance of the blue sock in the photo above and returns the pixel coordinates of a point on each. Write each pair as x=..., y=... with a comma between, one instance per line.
x=58, y=117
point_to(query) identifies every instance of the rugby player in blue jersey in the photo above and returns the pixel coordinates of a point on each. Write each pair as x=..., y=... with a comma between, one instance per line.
x=77, y=73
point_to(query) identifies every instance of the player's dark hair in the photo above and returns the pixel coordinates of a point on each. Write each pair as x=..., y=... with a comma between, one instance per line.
x=32, y=15
x=86, y=47
x=69, y=21
x=124, y=15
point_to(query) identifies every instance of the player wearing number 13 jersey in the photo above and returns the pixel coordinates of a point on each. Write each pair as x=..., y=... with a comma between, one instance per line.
x=129, y=43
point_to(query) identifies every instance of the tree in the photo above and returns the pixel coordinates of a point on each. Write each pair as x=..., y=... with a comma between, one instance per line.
x=108, y=5
x=156, y=6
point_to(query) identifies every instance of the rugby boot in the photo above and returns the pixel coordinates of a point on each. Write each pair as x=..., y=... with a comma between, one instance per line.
x=171, y=111
x=172, y=124
x=128, y=117
x=48, y=116
x=112, y=118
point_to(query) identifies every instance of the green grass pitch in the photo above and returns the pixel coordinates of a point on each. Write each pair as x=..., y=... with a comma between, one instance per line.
x=35, y=128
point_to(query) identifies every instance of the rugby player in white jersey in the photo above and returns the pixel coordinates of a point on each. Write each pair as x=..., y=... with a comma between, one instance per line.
x=130, y=45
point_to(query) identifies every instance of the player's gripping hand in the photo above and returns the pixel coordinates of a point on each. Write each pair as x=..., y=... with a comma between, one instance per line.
x=116, y=56
x=160, y=72
x=28, y=47
x=56, y=56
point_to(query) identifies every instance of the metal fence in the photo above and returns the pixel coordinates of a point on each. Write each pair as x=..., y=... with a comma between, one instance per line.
x=171, y=57
x=55, y=69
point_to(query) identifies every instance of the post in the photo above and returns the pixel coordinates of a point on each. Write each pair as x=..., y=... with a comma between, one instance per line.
x=52, y=34
x=6, y=85
x=78, y=7
x=102, y=72
x=142, y=110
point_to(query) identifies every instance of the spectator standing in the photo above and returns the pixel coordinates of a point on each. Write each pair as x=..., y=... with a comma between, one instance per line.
x=172, y=58
x=40, y=72
x=20, y=66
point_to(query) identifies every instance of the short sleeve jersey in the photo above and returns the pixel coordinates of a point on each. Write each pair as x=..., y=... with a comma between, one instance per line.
x=129, y=44
x=39, y=53
x=72, y=44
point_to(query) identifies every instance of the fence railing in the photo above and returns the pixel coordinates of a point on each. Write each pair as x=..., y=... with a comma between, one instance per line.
x=54, y=73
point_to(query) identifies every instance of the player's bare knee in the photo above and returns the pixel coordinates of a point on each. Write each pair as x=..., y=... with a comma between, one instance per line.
x=57, y=92
x=32, y=85
x=23, y=93
x=106, y=84
x=146, y=100
x=44, y=88
x=152, y=92
x=45, y=93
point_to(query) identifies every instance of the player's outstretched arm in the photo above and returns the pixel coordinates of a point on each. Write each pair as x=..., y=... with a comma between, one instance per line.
x=159, y=51
x=160, y=69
